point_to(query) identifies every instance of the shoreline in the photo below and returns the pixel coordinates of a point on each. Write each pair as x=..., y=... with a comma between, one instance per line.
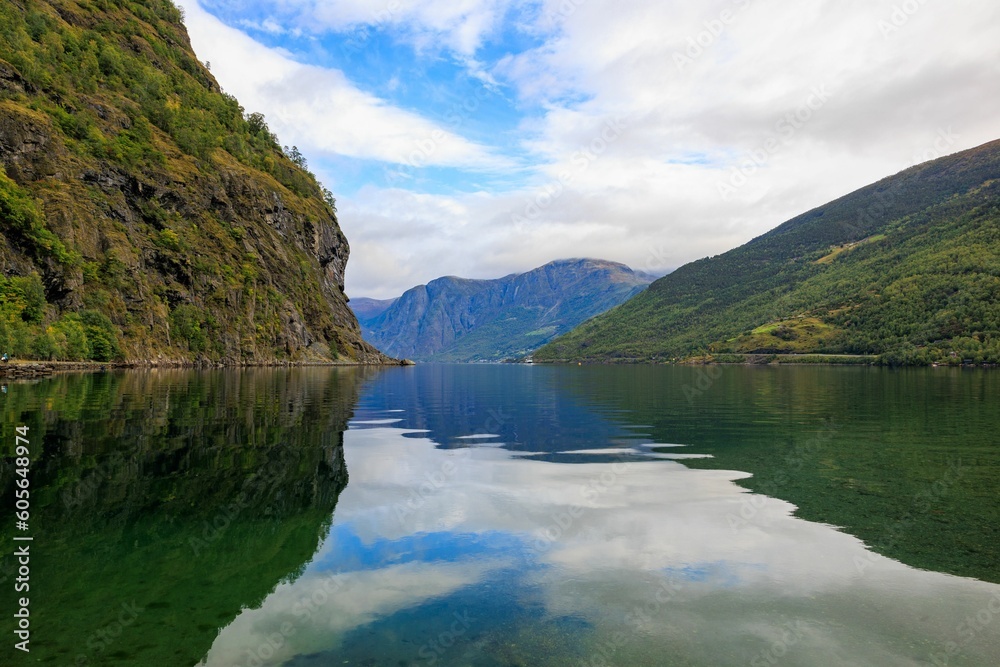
x=19, y=369
x=849, y=362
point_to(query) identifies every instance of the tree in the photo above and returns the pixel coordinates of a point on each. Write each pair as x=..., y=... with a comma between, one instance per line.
x=329, y=199
x=258, y=125
x=295, y=155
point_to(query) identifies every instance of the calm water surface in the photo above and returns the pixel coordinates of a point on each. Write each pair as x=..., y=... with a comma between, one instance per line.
x=507, y=515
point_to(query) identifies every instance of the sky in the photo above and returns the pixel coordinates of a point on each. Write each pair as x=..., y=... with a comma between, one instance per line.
x=480, y=138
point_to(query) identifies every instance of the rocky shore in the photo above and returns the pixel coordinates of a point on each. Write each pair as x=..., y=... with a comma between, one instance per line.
x=26, y=370
x=37, y=369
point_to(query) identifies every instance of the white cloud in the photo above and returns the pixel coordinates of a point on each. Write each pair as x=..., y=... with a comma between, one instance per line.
x=320, y=109
x=459, y=25
x=693, y=123
x=270, y=26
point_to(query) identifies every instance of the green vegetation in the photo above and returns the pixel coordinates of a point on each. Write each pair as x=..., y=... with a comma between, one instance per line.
x=122, y=52
x=136, y=189
x=907, y=270
x=798, y=335
x=841, y=249
x=26, y=331
x=22, y=218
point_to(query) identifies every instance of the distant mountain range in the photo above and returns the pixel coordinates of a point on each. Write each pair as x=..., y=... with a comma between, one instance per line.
x=907, y=269
x=457, y=319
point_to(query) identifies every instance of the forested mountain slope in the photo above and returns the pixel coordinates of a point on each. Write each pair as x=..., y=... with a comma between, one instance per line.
x=907, y=269
x=144, y=215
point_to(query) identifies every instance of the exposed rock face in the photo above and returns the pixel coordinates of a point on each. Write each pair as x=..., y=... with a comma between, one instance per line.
x=368, y=309
x=455, y=319
x=30, y=151
x=182, y=219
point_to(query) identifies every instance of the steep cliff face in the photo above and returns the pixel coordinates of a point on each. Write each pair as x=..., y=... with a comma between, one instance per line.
x=456, y=319
x=160, y=219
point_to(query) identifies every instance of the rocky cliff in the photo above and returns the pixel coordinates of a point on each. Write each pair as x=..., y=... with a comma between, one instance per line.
x=146, y=216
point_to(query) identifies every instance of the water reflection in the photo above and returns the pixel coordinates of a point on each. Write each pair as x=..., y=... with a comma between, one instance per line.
x=165, y=502
x=449, y=550
x=904, y=459
x=502, y=516
x=907, y=459
x=522, y=408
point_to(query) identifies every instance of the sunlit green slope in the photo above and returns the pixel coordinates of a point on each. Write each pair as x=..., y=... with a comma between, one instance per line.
x=907, y=269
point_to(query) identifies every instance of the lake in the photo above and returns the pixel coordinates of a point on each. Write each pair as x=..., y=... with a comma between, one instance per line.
x=509, y=515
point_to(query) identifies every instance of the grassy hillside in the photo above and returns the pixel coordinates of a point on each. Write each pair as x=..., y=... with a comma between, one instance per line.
x=144, y=214
x=907, y=269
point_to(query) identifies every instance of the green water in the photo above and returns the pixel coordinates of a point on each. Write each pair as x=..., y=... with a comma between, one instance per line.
x=503, y=515
x=187, y=496
x=908, y=460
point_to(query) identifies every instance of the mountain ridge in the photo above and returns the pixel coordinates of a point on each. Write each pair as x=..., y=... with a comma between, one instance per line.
x=368, y=309
x=464, y=319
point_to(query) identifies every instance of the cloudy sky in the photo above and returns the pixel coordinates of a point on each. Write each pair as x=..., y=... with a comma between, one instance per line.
x=483, y=137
